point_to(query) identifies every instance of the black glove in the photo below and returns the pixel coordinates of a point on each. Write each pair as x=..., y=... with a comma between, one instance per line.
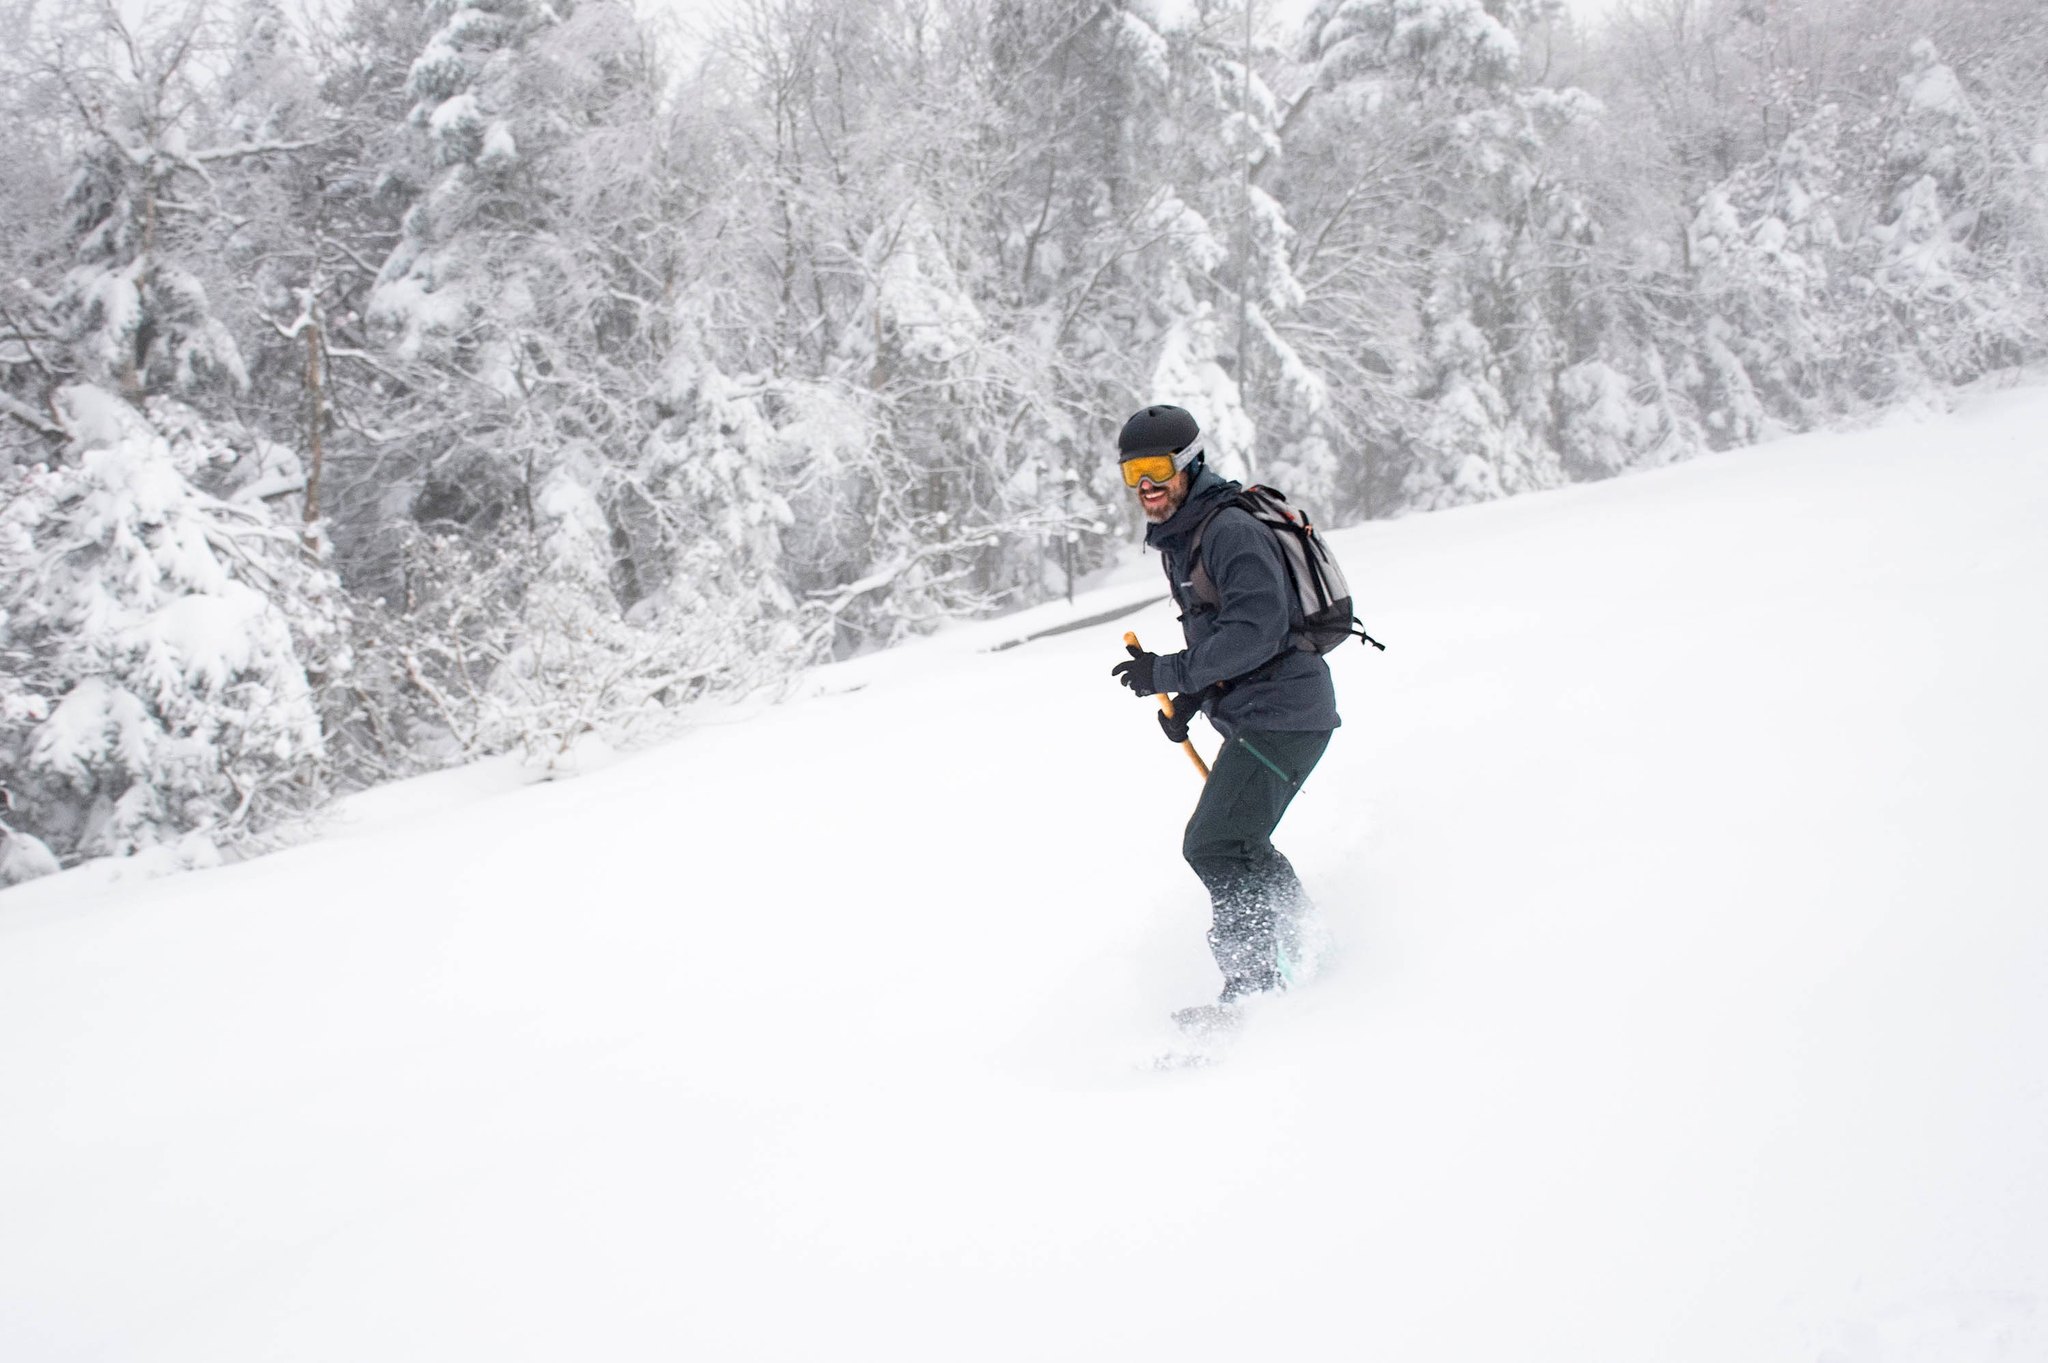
x=1137, y=672
x=1185, y=708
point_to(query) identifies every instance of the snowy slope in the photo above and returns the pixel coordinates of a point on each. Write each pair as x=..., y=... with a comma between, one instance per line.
x=1684, y=854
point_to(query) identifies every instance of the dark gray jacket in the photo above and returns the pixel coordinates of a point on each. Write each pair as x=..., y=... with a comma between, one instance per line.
x=1249, y=630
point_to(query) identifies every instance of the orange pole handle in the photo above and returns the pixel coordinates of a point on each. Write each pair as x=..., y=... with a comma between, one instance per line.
x=1166, y=704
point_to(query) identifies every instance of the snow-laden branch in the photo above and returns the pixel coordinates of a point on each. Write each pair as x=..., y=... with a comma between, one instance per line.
x=270, y=148
x=29, y=417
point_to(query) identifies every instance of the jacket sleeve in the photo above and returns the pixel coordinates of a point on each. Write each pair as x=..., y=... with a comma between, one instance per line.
x=1254, y=614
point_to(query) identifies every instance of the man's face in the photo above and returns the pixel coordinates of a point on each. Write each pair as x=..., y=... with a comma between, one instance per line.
x=1160, y=500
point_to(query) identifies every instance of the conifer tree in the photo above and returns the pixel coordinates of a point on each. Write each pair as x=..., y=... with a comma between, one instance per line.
x=165, y=617
x=167, y=630
x=1943, y=306
x=1496, y=221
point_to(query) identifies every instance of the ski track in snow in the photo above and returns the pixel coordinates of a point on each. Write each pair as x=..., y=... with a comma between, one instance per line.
x=1682, y=855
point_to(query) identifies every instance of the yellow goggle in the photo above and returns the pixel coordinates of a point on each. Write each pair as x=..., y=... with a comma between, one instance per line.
x=1158, y=468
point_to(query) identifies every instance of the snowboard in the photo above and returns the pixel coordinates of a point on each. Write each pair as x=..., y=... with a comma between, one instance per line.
x=1206, y=1033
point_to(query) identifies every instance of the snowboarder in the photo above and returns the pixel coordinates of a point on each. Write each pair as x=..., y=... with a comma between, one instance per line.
x=1244, y=667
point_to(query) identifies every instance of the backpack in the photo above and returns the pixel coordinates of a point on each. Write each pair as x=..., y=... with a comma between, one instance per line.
x=1321, y=595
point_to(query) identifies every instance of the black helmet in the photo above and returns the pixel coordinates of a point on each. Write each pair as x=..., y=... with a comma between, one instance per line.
x=1161, y=430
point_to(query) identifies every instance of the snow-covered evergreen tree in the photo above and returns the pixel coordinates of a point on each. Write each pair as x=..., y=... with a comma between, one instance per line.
x=133, y=313
x=1942, y=304
x=1146, y=259
x=164, y=615
x=167, y=629
x=1770, y=259
x=882, y=279
x=1498, y=228
x=534, y=312
x=272, y=262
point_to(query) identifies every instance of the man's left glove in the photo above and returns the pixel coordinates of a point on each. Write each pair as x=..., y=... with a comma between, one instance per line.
x=1185, y=708
x=1136, y=672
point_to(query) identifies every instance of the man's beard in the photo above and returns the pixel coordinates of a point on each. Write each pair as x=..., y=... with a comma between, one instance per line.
x=1166, y=509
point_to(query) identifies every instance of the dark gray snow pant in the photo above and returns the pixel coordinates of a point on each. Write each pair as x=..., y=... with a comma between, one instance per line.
x=1252, y=889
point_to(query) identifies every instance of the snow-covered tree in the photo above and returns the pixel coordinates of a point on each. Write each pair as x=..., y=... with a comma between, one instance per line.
x=33, y=251
x=1768, y=250
x=164, y=615
x=1943, y=306
x=1850, y=237
x=274, y=258
x=857, y=143
x=166, y=630
x=1495, y=229
x=565, y=488
x=1146, y=260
